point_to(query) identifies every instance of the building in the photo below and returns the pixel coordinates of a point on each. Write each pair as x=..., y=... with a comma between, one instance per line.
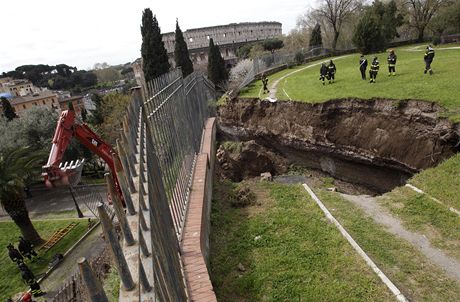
x=77, y=102
x=229, y=38
x=45, y=98
x=17, y=87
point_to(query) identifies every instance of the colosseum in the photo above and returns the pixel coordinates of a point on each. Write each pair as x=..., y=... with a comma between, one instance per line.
x=229, y=38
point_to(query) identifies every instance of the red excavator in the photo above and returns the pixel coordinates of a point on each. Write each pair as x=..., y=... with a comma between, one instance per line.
x=57, y=174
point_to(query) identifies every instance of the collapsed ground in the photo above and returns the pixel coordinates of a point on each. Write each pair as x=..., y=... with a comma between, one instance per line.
x=348, y=145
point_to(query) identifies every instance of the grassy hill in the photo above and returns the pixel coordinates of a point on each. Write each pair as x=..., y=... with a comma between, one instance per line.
x=302, y=82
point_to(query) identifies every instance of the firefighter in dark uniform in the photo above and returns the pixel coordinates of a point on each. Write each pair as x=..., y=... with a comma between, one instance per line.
x=374, y=70
x=265, y=83
x=323, y=72
x=14, y=254
x=29, y=278
x=26, y=248
x=391, y=63
x=331, y=72
x=363, y=66
x=429, y=55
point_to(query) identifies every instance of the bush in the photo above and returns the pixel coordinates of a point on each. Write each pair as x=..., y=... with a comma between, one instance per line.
x=298, y=58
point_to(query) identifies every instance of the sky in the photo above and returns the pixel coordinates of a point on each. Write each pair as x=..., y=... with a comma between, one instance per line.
x=82, y=32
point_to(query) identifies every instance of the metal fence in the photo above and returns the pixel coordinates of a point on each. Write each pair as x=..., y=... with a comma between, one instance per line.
x=160, y=138
x=275, y=60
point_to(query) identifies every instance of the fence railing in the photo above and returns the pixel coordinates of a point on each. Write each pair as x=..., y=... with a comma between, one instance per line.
x=269, y=62
x=159, y=141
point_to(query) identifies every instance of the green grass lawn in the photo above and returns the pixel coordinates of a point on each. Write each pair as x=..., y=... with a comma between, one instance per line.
x=299, y=256
x=10, y=278
x=409, y=82
x=412, y=273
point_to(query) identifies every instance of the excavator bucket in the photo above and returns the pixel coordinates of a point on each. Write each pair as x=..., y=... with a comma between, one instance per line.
x=64, y=175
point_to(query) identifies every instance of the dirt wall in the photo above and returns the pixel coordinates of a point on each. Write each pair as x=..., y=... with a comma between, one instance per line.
x=386, y=140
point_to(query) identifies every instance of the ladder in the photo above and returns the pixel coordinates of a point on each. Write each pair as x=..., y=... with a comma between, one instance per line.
x=57, y=236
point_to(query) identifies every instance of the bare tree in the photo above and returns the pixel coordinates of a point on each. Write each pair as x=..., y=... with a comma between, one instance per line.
x=421, y=12
x=336, y=12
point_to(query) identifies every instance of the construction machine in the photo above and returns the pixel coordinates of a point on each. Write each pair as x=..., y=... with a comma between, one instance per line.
x=57, y=173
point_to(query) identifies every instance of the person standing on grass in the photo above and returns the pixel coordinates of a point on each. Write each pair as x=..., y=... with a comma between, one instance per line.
x=26, y=248
x=14, y=254
x=391, y=63
x=331, y=69
x=429, y=55
x=323, y=72
x=265, y=83
x=374, y=70
x=29, y=279
x=363, y=66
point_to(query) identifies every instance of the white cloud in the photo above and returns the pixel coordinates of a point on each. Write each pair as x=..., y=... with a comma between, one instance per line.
x=81, y=33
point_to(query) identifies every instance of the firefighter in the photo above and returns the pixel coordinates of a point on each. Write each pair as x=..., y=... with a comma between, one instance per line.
x=331, y=71
x=265, y=83
x=429, y=55
x=323, y=72
x=29, y=278
x=391, y=63
x=374, y=70
x=26, y=248
x=14, y=254
x=363, y=66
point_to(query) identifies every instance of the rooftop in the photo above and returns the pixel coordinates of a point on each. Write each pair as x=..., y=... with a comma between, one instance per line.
x=31, y=98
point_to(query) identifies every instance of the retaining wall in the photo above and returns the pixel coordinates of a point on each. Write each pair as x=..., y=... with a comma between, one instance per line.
x=195, y=241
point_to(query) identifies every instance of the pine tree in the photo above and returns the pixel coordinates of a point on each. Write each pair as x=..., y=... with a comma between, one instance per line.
x=181, y=55
x=217, y=72
x=8, y=110
x=154, y=55
x=315, y=39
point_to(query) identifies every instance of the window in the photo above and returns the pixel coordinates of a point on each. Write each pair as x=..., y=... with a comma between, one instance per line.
x=190, y=39
x=44, y=103
x=24, y=106
x=225, y=35
x=207, y=37
x=35, y=103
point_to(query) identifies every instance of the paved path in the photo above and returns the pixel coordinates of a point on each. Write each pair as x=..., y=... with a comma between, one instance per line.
x=91, y=245
x=369, y=204
x=47, y=201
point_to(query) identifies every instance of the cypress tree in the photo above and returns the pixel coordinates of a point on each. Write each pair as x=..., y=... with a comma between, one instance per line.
x=315, y=39
x=154, y=55
x=217, y=72
x=181, y=55
x=8, y=110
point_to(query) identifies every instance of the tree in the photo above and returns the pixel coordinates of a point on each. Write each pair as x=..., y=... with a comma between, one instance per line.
x=368, y=34
x=272, y=44
x=315, y=39
x=422, y=11
x=217, y=72
x=16, y=169
x=181, y=55
x=377, y=27
x=96, y=117
x=8, y=110
x=154, y=56
x=336, y=12
x=113, y=109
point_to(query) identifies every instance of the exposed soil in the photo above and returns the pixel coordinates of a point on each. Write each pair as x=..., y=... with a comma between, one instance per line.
x=376, y=143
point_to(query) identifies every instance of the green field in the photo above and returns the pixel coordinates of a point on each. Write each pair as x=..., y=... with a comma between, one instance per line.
x=409, y=269
x=299, y=256
x=409, y=82
x=10, y=278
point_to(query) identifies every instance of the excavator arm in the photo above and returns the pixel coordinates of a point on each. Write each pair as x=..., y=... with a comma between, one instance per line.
x=57, y=174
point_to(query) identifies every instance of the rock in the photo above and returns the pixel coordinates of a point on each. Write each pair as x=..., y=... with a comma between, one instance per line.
x=241, y=267
x=266, y=176
x=257, y=238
